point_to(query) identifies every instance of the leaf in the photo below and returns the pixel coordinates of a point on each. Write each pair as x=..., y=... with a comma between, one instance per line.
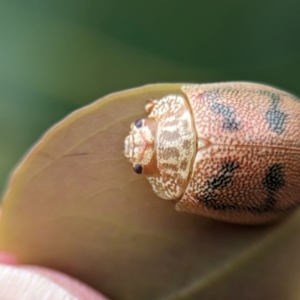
x=74, y=204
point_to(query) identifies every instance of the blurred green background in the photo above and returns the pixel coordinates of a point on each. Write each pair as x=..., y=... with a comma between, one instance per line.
x=58, y=55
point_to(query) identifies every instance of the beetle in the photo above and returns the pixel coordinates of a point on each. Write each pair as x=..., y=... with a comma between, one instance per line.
x=229, y=151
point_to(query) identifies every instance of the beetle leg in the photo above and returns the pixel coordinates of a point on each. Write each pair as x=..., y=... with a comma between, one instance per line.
x=150, y=104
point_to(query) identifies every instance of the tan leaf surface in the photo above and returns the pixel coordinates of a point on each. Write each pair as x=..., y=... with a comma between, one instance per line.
x=74, y=204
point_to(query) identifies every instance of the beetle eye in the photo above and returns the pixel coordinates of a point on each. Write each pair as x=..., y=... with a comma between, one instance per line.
x=138, y=123
x=138, y=169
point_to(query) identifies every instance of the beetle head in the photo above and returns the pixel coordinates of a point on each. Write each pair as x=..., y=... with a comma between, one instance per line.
x=140, y=146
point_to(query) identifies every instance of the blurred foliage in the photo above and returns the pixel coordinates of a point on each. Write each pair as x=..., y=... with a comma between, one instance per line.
x=57, y=55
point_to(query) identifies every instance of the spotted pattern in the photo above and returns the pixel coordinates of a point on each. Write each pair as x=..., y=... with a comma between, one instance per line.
x=214, y=183
x=274, y=179
x=230, y=123
x=275, y=117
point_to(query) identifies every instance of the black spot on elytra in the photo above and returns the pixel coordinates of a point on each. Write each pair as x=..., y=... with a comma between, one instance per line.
x=224, y=110
x=275, y=98
x=214, y=183
x=224, y=178
x=274, y=178
x=274, y=116
x=273, y=181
